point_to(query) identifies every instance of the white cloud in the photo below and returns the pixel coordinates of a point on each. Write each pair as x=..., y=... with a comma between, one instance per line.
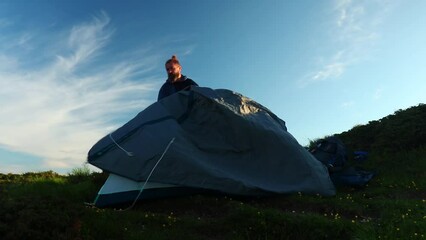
x=348, y=104
x=330, y=69
x=86, y=40
x=378, y=94
x=355, y=30
x=357, y=21
x=61, y=109
x=4, y=23
x=7, y=63
x=334, y=69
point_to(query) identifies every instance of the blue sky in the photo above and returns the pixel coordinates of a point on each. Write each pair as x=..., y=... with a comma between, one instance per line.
x=73, y=71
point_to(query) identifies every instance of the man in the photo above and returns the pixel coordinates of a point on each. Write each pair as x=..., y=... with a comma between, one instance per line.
x=175, y=81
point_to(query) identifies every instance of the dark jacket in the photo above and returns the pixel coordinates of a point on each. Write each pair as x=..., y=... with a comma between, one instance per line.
x=169, y=87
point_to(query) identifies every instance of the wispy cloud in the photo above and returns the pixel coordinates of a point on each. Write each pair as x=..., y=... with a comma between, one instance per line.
x=86, y=40
x=331, y=69
x=334, y=69
x=355, y=30
x=59, y=110
x=4, y=23
x=348, y=104
x=378, y=94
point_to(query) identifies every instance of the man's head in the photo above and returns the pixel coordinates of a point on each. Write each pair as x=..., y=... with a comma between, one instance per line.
x=173, y=69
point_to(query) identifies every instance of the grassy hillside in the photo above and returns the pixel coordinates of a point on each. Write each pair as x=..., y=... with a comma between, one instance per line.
x=46, y=205
x=402, y=131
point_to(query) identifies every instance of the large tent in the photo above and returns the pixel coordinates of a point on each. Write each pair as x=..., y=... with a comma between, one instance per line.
x=205, y=139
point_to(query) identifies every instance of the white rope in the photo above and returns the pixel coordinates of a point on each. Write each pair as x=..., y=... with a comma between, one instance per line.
x=130, y=154
x=149, y=176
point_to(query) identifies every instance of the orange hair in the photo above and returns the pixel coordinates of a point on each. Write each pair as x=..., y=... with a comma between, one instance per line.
x=173, y=60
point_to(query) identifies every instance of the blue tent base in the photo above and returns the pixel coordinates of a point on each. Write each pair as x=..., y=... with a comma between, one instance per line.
x=118, y=191
x=352, y=177
x=128, y=197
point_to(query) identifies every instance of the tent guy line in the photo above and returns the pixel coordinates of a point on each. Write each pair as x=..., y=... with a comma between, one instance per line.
x=150, y=174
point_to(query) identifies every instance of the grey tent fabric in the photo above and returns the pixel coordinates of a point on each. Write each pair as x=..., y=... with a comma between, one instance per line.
x=223, y=141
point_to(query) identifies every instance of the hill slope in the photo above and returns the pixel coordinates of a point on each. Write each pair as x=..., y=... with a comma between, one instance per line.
x=404, y=130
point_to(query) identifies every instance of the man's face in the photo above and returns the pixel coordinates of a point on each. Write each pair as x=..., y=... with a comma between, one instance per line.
x=173, y=70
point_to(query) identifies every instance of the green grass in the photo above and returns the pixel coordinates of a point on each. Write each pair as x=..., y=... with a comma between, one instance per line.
x=46, y=205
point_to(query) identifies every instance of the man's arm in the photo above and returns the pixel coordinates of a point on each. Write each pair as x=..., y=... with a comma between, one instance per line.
x=162, y=93
x=192, y=82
